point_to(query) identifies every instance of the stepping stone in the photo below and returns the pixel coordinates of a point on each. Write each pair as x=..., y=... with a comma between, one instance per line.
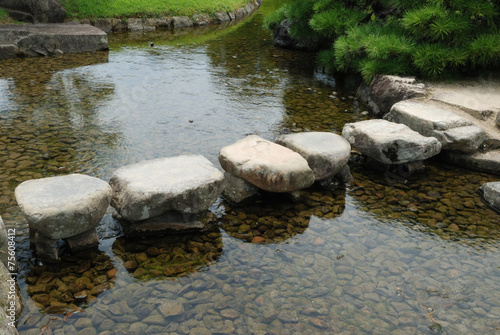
x=389, y=142
x=491, y=194
x=453, y=131
x=64, y=207
x=326, y=153
x=236, y=189
x=189, y=184
x=267, y=165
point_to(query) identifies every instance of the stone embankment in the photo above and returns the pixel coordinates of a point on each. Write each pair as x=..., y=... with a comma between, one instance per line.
x=464, y=117
x=90, y=36
x=115, y=25
x=50, y=39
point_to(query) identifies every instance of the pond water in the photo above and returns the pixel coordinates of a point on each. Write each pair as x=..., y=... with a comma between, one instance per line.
x=388, y=255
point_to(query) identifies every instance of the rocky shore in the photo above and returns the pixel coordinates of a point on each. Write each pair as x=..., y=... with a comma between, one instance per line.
x=471, y=105
x=50, y=39
x=114, y=25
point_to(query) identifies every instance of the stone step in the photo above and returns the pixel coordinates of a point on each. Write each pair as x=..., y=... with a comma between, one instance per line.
x=453, y=131
x=491, y=194
x=266, y=165
x=389, y=142
x=326, y=153
x=481, y=106
x=488, y=161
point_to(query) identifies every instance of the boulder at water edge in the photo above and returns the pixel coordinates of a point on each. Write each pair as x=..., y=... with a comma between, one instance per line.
x=453, y=131
x=189, y=184
x=267, y=165
x=326, y=153
x=491, y=194
x=64, y=207
x=389, y=142
x=384, y=91
x=236, y=189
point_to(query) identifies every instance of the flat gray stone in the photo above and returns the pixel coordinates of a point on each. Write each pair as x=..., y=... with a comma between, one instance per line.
x=482, y=104
x=491, y=194
x=49, y=39
x=63, y=206
x=488, y=161
x=189, y=184
x=326, y=153
x=267, y=165
x=453, y=131
x=389, y=142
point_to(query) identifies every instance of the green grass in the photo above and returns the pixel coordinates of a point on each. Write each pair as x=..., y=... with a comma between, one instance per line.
x=4, y=17
x=79, y=9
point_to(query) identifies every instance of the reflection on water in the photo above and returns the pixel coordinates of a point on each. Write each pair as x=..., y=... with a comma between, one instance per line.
x=389, y=255
x=275, y=218
x=168, y=256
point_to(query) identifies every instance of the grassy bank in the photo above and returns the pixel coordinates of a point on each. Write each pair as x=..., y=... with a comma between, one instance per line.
x=4, y=17
x=79, y=9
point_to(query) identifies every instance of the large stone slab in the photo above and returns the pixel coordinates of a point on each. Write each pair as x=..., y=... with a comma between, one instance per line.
x=63, y=206
x=491, y=194
x=189, y=184
x=326, y=153
x=389, y=142
x=50, y=39
x=453, y=131
x=267, y=165
x=488, y=161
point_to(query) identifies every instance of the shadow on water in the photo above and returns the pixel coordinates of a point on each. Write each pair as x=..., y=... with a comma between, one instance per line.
x=276, y=218
x=149, y=258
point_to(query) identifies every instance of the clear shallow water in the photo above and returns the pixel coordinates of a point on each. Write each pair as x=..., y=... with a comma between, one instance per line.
x=389, y=255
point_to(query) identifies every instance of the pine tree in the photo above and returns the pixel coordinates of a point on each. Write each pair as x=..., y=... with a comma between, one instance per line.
x=428, y=38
